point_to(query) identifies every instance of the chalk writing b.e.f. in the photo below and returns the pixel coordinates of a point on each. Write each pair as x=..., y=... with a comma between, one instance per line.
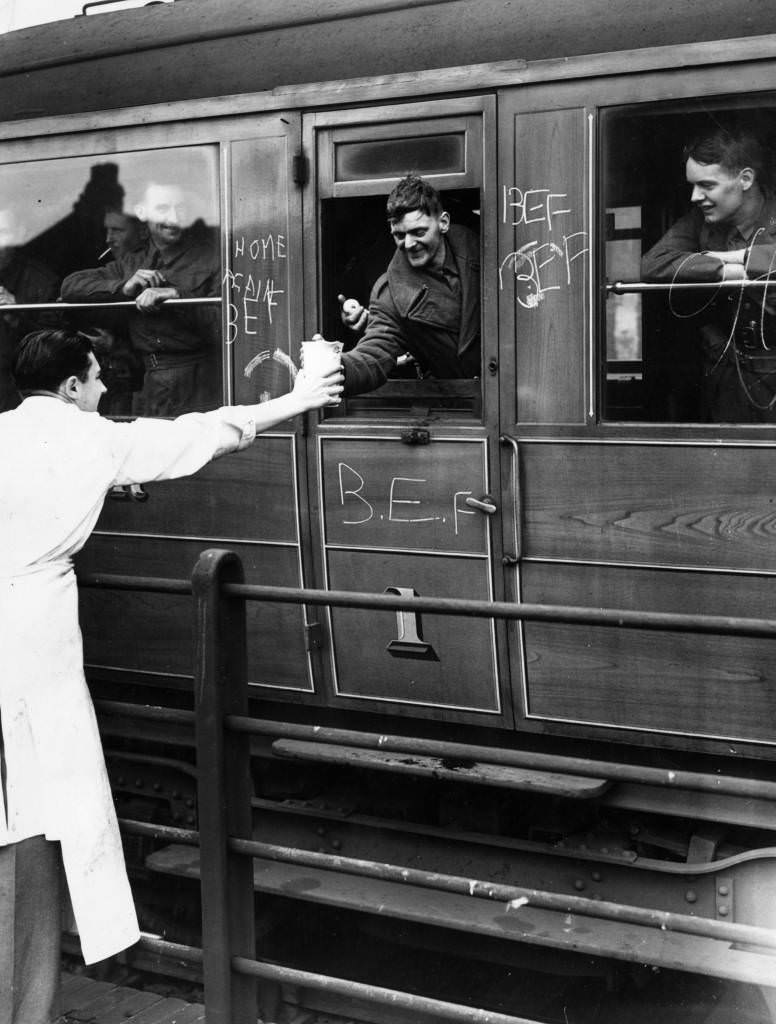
x=404, y=501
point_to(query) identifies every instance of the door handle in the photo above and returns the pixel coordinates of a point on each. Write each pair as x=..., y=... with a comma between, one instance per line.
x=517, y=501
x=484, y=504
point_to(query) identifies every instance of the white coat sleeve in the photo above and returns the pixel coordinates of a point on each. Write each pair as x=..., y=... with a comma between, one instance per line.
x=149, y=449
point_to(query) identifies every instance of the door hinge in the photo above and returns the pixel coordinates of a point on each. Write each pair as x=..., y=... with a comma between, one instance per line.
x=300, y=169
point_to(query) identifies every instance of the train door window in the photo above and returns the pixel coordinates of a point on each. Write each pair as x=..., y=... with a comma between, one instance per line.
x=431, y=313
x=690, y=250
x=102, y=232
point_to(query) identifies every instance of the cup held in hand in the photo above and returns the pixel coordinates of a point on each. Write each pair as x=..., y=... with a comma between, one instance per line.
x=320, y=358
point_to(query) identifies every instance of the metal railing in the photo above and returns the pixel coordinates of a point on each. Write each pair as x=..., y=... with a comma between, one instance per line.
x=223, y=729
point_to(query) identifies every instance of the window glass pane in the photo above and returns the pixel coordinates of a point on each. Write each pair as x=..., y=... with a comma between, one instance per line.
x=387, y=158
x=124, y=227
x=691, y=243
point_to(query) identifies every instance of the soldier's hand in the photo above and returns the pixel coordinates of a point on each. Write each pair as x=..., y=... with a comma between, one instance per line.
x=152, y=298
x=352, y=313
x=143, y=279
x=6, y=298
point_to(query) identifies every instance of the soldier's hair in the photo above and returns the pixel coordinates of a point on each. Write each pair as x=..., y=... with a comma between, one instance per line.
x=44, y=359
x=413, y=193
x=733, y=148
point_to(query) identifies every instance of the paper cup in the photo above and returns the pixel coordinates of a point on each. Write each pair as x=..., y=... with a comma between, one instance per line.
x=320, y=358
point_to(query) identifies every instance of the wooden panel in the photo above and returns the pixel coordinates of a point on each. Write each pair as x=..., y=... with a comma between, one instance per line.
x=250, y=495
x=263, y=322
x=694, y=505
x=154, y=632
x=671, y=682
x=463, y=677
x=542, y=264
x=382, y=493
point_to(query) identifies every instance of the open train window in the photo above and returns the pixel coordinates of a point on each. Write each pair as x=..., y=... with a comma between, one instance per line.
x=433, y=318
x=80, y=228
x=690, y=249
x=358, y=250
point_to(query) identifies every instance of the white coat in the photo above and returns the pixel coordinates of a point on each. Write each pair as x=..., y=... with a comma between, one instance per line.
x=56, y=465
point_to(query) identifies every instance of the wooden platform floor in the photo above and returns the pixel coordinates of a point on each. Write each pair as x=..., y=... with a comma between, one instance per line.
x=87, y=1001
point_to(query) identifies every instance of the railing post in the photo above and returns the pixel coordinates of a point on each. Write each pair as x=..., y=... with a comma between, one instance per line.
x=225, y=789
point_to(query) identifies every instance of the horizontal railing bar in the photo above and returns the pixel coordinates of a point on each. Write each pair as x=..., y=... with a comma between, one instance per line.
x=645, y=774
x=514, y=896
x=64, y=307
x=339, y=986
x=671, y=778
x=180, y=716
x=173, y=950
x=726, y=625
x=623, y=287
x=118, y=581
x=406, y=1001
x=624, y=618
x=186, y=836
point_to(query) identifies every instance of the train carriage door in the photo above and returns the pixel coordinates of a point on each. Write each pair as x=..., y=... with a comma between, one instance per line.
x=639, y=417
x=250, y=501
x=263, y=285
x=406, y=474
x=546, y=368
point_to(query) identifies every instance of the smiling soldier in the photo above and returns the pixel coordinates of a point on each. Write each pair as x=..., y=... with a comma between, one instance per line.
x=729, y=235
x=179, y=347
x=427, y=303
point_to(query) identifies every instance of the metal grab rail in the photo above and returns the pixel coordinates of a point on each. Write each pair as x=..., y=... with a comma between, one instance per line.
x=26, y=307
x=226, y=844
x=625, y=287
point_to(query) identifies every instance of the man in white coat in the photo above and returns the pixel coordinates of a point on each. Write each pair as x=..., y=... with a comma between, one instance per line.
x=59, y=460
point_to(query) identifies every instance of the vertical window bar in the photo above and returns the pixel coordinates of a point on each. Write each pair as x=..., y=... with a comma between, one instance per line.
x=591, y=265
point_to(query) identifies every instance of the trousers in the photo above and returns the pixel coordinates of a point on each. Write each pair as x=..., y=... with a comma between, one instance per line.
x=30, y=931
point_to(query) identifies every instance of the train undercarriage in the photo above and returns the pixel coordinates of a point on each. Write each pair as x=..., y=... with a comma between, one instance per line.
x=418, y=872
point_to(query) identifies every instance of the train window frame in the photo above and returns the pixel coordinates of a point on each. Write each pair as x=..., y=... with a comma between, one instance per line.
x=60, y=207
x=447, y=399
x=101, y=135
x=681, y=404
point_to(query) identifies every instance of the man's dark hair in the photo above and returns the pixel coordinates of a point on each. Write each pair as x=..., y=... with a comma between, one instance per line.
x=413, y=193
x=44, y=359
x=733, y=148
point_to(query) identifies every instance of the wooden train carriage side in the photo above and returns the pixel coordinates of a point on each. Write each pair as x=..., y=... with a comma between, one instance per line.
x=574, y=469
x=556, y=427
x=626, y=497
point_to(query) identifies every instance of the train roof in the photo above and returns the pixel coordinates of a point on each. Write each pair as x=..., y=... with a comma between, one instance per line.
x=193, y=49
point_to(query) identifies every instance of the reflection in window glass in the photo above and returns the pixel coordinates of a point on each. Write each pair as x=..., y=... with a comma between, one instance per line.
x=136, y=227
x=689, y=192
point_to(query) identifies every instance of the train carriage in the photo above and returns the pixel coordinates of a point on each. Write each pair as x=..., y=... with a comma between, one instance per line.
x=579, y=467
